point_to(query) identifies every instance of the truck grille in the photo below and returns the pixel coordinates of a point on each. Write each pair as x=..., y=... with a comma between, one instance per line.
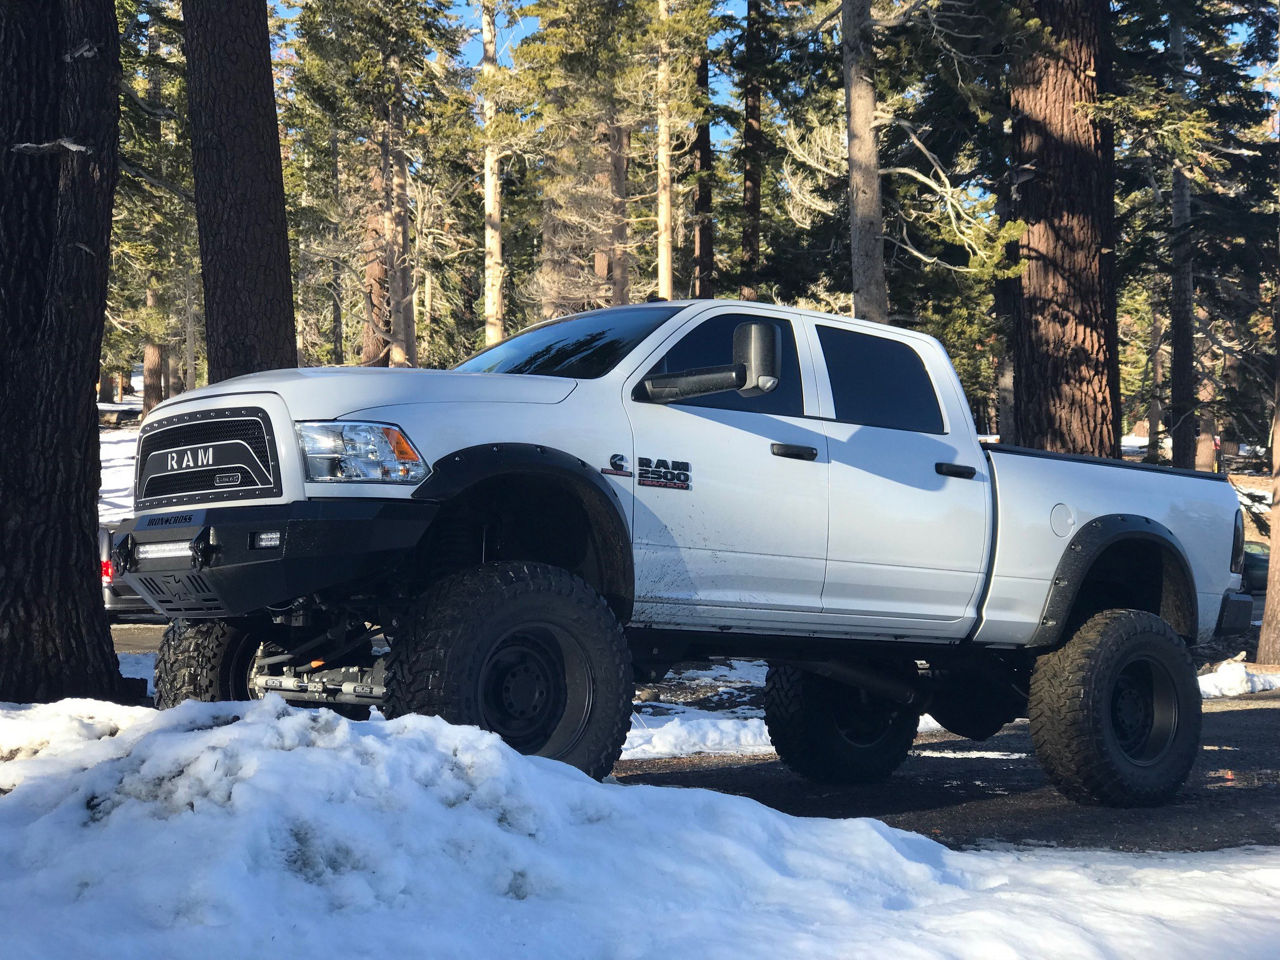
x=207, y=455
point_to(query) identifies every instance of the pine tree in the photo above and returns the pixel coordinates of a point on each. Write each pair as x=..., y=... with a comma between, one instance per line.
x=493, y=274
x=244, y=245
x=58, y=170
x=1066, y=383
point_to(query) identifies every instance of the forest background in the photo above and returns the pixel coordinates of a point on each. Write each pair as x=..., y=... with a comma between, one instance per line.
x=456, y=171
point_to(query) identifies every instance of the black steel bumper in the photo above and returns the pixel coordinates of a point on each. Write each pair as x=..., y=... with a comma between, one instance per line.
x=224, y=571
x=1236, y=615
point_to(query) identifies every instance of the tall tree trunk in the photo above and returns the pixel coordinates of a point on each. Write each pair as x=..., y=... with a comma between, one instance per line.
x=549, y=266
x=1269, y=641
x=428, y=306
x=59, y=62
x=404, y=337
x=153, y=387
x=173, y=376
x=189, y=345
x=408, y=319
x=152, y=380
x=493, y=269
x=1006, y=419
x=1207, y=437
x=375, y=342
x=1006, y=291
x=866, y=219
x=1067, y=375
x=703, y=169
x=1182, y=406
x=336, y=337
x=619, y=256
x=235, y=155
x=1155, y=411
x=752, y=144
x=602, y=255
x=666, y=285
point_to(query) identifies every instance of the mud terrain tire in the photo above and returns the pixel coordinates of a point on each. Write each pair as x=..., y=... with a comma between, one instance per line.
x=526, y=650
x=834, y=733
x=206, y=660
x=1115, y=713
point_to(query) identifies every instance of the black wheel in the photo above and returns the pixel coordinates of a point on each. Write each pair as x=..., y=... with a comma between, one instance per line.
x=1115, y=713
x=206, y=660
x=525, y=650
x=834, y=733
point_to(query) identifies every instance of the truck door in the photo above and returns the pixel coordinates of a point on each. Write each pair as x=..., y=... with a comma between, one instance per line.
x=730, y=492
x=910, y=489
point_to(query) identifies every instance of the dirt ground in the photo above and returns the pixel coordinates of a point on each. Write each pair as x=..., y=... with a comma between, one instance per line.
x=967, y=794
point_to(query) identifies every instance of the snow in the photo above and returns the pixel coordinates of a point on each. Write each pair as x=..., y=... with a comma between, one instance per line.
x=687, y=731
x=234, y=830
x=660, y=730
x=140, y=666
x=1233, y=678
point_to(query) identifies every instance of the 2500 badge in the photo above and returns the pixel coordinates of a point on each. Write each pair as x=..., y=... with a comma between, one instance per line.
x=674, y=474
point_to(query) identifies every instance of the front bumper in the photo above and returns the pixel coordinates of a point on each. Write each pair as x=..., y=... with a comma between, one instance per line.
x=1236, y=615
x=222, y=572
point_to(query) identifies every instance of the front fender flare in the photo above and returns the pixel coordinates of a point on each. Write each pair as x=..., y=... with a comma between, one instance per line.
x=457, y=472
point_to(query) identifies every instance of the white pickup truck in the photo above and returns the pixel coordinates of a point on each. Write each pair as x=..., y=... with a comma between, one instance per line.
x=512, y=542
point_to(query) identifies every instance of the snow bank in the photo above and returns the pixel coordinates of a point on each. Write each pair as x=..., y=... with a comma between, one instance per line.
x=1234, y=678
x=295, y=833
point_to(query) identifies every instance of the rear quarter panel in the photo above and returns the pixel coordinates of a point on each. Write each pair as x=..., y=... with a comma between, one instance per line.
x=1031, y=538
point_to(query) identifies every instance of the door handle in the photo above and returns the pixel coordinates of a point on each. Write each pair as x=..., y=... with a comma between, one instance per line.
x=793, y=451
x=956, y=470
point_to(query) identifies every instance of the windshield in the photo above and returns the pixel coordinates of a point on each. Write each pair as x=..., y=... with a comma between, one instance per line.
x=584, y=346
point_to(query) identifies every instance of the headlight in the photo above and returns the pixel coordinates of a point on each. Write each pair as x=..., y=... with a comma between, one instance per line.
x=345, y=450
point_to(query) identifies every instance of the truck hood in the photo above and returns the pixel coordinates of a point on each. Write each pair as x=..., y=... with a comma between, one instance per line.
x=326, y=393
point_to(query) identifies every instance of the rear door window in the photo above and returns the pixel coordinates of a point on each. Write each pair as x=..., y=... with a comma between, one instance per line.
x=879, y=382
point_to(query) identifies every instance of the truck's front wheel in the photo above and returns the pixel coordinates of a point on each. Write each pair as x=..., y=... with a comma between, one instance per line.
x=834, y=733
x=1115, y=713
x=206, y=660
x=525, y=650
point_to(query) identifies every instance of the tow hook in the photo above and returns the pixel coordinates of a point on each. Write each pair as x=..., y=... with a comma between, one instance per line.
x=203, y=548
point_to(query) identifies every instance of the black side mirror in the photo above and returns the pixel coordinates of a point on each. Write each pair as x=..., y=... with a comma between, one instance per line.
x=754, y=371
x=756, y=348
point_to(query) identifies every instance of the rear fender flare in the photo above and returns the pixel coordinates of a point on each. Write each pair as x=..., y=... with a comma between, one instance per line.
x=1083, y=551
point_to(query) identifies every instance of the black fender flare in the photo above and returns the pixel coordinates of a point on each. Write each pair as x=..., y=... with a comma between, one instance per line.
x=1083, y=550
x=459, y=471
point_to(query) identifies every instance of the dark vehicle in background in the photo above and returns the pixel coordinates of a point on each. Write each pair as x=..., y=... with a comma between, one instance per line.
x=121, y=601
x=1257, y=555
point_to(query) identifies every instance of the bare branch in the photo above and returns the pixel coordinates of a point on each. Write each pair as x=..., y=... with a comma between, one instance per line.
x=159, y=111
x=52, y=146
x=160, y=183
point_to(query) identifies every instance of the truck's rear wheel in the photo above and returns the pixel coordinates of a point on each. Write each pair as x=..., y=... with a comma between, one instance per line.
x=834, y=733
x=525, y=650
x=205, y=660
x=1115, y=713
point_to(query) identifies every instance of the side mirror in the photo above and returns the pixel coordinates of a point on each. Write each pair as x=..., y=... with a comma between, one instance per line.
x=756, y=348
x=753, y=373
